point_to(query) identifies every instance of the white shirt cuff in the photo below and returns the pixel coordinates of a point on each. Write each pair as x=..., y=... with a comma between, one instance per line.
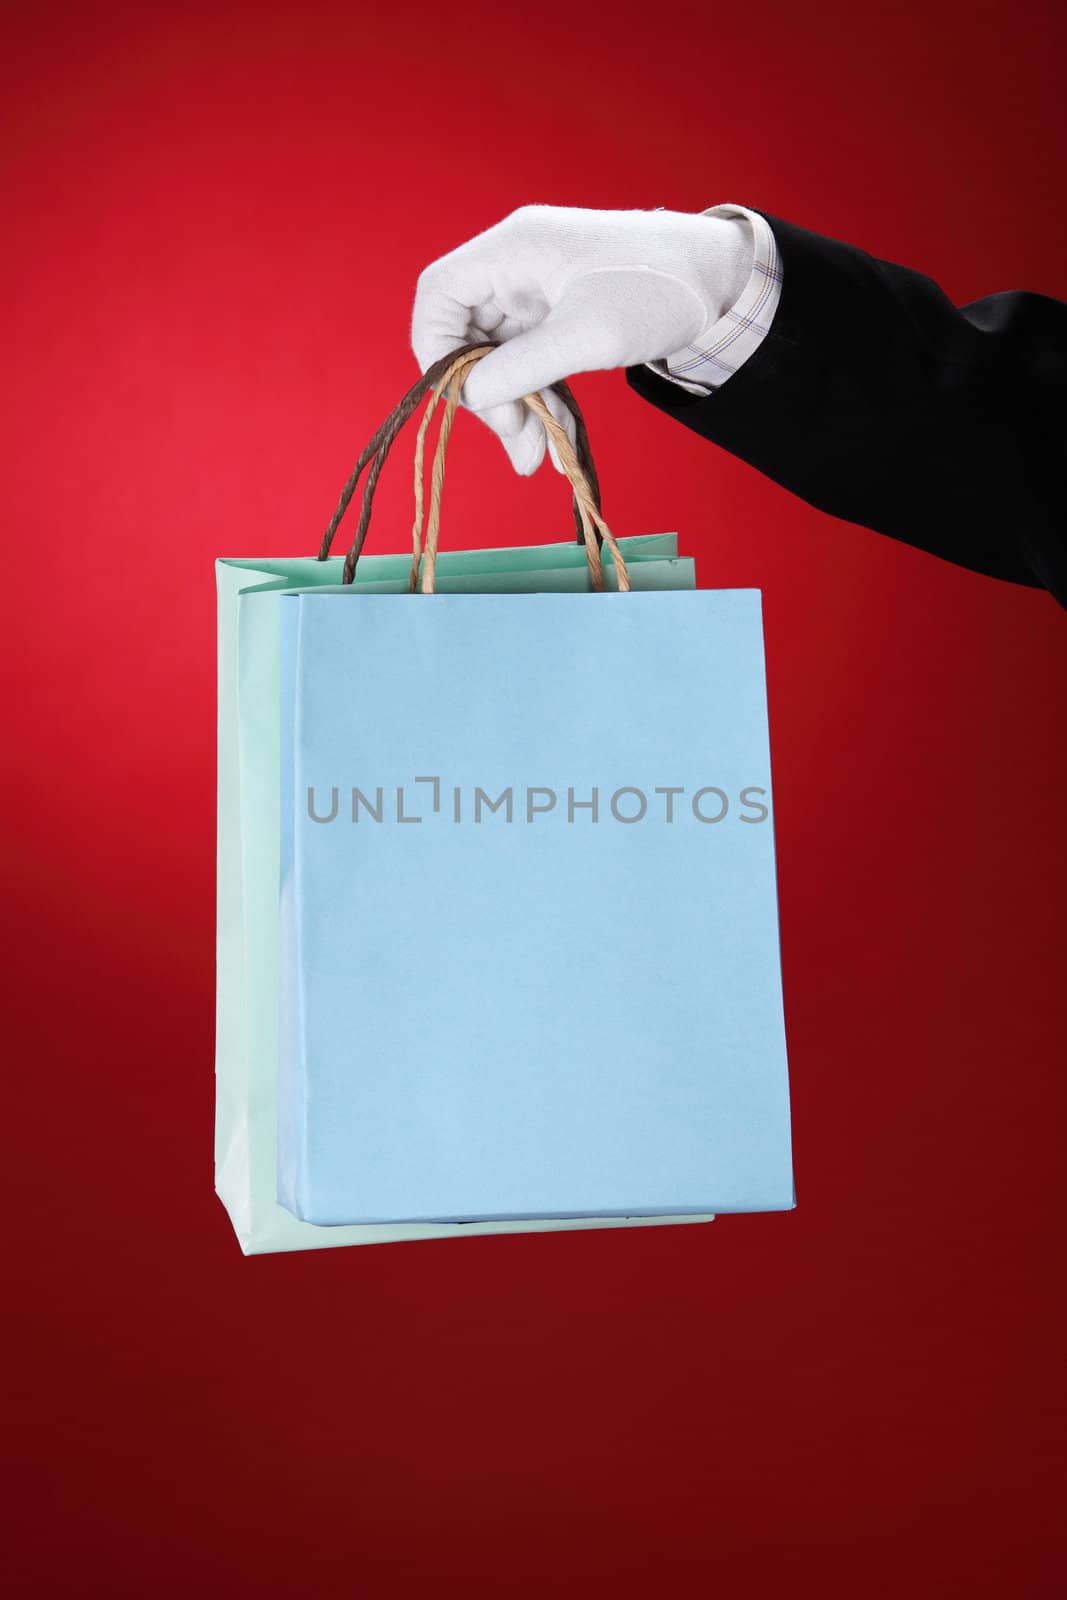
x=709, y=361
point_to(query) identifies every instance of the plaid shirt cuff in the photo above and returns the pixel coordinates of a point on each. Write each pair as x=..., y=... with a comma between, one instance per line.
x=708, y=362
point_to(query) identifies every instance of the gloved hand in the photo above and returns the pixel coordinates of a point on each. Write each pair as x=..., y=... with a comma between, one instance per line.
x=567, y=290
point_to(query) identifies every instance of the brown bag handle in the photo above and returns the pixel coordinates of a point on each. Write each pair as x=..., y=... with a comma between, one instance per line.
x=446, y=377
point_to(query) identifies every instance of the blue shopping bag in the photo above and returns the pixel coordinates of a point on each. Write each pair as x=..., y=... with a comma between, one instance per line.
x=529, y=937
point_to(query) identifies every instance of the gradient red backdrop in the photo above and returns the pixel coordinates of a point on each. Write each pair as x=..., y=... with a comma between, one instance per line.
x=214, y=219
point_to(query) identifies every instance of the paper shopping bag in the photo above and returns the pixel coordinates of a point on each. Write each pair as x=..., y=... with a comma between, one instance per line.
x=530, y=950
x=529, y=957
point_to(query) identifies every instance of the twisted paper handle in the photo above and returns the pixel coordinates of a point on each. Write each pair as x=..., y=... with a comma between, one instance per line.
x=588, y=511
x=446, y=377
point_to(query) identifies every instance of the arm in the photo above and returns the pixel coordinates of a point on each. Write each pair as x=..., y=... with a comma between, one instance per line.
x=875, y=399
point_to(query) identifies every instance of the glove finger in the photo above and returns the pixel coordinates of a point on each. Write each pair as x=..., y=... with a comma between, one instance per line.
x=507, y=421
x=526, y=449
x=450, y=295
x=525, y=445
x=530, y=361
x=439, y=323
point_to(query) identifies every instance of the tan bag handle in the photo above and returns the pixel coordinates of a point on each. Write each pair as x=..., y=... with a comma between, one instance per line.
x=446, y=378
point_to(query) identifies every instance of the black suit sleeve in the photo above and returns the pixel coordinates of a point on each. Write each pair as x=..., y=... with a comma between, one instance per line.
x=877, y=400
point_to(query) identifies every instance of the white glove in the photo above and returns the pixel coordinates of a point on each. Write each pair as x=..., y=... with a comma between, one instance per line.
x=565, y=290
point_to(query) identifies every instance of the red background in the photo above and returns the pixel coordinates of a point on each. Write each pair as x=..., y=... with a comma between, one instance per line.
x=214, y=220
